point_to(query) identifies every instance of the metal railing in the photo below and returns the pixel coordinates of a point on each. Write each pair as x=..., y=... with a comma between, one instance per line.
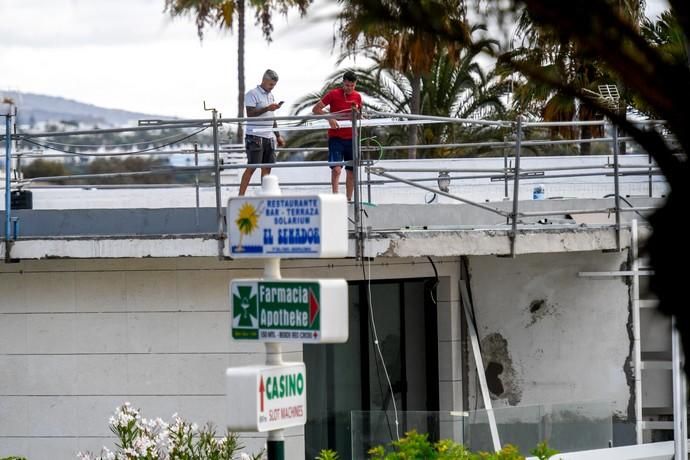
x=511, y=170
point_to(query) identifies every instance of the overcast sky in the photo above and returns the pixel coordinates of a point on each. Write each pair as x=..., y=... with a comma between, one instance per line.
x=128, y=54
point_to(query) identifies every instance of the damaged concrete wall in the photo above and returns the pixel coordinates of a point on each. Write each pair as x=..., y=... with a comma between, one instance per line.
x=549, y=336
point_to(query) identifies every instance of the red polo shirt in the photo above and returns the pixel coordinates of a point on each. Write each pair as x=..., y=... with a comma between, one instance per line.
x=338, y=102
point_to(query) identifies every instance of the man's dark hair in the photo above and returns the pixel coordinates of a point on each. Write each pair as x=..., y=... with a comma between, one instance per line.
x=350, y=76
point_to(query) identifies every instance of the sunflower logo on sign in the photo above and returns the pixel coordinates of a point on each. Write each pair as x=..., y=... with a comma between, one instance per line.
x=247, y=221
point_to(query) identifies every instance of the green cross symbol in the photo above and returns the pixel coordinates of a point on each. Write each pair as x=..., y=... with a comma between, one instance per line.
x=244, y=307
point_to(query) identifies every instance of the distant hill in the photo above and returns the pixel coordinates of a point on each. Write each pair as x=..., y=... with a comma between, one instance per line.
x=40, y=108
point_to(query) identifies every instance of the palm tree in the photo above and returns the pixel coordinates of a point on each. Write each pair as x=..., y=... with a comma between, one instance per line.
x=407, y=50
x=247, y=221
x=541, y=49
x=546, y=52
x=600, y=31
x=453, y=87
x=221, y=13
x=667, y=37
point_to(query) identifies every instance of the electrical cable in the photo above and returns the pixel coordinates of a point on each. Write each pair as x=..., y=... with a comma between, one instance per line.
x=471, y=304
x=172, y=136
x=116, y=153
x=436, y=279
x=378, y=375
x=377, y=345
x=374, y=332
x=626, y=202
x=432, y=199
x=380, y=146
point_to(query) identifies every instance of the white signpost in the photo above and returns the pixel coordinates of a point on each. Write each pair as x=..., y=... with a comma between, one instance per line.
x=265, y=398
x=273, y=310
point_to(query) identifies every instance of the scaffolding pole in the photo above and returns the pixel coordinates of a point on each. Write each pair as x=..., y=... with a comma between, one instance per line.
x=479, y=364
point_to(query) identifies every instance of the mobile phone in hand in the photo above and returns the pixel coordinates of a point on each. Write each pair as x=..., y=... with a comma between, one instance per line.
x=281, y=102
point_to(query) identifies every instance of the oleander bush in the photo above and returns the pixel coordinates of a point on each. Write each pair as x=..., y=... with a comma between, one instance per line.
x=139, y=438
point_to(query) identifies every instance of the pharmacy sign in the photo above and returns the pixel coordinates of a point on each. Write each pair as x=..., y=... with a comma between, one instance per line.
x=289, y=310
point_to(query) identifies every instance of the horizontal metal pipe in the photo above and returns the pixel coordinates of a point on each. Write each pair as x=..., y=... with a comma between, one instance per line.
x=283, y=118
x=639, y=209
x=610, y=210
x=566, y=211
x=36, y=186
x=89, y=176
x=437, y=170
x=288, y=164
x=502, y=170
x=70, y=155
x=448, y=119
x=19, y=136
x=303, y=149
x=177, y=122
x=194, y=169
x=399, y=115
x=592, y=174
x=564, y=168
x=575, y=141
x=39, y=186
x=496, y=144
x=648, y=166
x=539, y=124
x=577, y=168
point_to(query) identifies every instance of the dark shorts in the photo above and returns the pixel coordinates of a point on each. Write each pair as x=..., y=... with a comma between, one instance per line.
x=340, y=150
x=259, y=150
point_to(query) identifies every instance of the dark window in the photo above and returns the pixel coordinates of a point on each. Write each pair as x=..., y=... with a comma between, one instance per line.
x=350, y=377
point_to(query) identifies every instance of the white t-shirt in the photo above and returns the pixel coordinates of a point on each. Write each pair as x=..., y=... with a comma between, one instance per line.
x=259, y=98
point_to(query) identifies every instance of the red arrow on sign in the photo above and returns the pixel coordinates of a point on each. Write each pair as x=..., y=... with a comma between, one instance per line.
x=313, y=307
x=261, y=391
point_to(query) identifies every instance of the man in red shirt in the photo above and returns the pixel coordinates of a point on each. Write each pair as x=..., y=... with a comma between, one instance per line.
x=341, y=100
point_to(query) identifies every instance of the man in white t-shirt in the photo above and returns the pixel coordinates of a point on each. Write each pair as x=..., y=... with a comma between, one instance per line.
x=258, y=139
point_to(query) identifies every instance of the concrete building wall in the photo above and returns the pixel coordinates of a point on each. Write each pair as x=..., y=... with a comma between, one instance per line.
x=80, y=337
x=553, y=337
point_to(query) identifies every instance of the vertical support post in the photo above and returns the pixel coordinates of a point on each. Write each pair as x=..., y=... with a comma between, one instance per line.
x=369, y=184
x=19, y=175
x=196, y=184
x=355, y=176
x=516, y=186
x=649, y=178
x=637, y=348
x=8, y=181
x=616, y=186
x=275, y=445
x=274, y=355
x=479, y=363
x=505, y=173
x=216, y=163
x=680, y=396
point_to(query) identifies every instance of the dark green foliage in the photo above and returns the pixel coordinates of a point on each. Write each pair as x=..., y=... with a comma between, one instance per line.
x=417, y=446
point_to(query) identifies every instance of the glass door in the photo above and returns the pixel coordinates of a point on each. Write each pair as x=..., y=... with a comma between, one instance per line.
x=351, y=376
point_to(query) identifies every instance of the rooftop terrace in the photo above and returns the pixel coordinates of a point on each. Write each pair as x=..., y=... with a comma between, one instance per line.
x=438, y=206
